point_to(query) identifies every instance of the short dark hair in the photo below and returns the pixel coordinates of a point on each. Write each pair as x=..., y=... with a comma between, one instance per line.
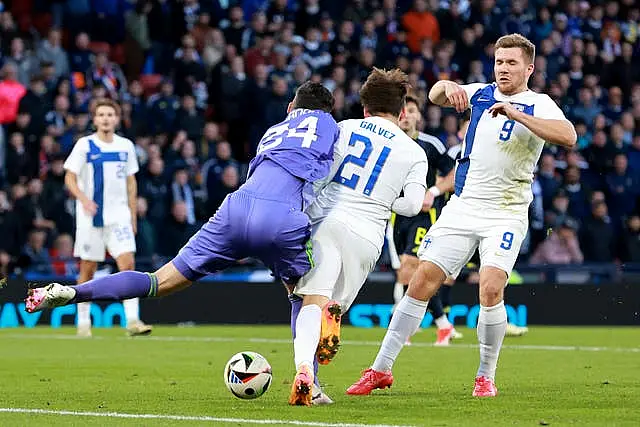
x=384, y=92
x=313, y=96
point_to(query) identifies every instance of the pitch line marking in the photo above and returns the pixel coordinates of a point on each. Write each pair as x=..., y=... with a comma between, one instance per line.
x=347, y=342
x=201, y=418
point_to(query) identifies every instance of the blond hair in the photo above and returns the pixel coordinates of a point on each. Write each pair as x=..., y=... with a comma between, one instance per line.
x=519, y=41
x=105, y=102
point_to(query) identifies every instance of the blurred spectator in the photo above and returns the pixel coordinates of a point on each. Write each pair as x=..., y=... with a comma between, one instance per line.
x=176, y=231
x=598, y=236
x=138, y=42
x=181, y=191
x=577, y=193
x=54, y=197
x=51, y=50
x=36, y=255
x=212, y=170
x=558, y=211
x=189, y=118
x=60, y=124
x=235, y=27
x=10, y=230
x=24, y=62
x=210, y=137
x=561, y=247
x=622, y=188
x=634, y=154
x=145, y=236
x=18, y=163
x=36, y=103
x=11, y=91
x=261, y=54
x=420, y=24
x=229, y=182
x=154, y=188
x=63, y=263
x=549, y=181
x=163, y=108
x=308, y=16
x=108, y=75
x=630, y=241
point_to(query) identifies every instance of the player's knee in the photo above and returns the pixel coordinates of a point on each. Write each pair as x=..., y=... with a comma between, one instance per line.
x=319, y=300
x=408, y=266
x=492, y=284
x=87, y=270
x=125, y=262
x=426, y=281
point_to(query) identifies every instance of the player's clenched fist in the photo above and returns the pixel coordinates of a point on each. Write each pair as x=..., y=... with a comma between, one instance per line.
x=456, y=96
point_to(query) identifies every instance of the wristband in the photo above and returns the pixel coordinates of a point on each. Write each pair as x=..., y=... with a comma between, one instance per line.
x=435, y=191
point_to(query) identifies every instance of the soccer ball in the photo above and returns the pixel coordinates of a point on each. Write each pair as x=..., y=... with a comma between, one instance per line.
x=247, y=375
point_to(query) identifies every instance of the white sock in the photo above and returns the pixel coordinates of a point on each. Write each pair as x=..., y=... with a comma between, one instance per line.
x=404, y=323
x=308, y=327
x=84, y=315
x=442, y=322
x=132, y=310
x=398, y=292
x=492, y=325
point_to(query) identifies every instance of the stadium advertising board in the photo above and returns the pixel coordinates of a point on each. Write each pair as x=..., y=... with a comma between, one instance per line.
x=266, y=303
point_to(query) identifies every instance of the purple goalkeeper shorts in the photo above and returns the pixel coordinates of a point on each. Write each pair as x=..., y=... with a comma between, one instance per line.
x=245, y=225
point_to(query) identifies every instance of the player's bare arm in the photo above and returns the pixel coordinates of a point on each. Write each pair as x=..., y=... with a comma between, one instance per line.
x=558, y=132
x=132, y=194
x=446, y=93
x=71, y=182
x=443, y=185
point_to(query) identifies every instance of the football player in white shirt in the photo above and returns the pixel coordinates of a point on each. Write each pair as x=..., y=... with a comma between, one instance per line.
x=101, y=176
x=508, y=128
x=374, y=161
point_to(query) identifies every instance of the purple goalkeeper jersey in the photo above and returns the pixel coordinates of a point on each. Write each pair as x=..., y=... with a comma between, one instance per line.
x=302, y=145
x=265, y=217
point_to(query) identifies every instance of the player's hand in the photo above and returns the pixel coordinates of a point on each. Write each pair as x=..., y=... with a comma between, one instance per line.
x=505, y=109
x=90, y=207
x=457, y=97
x=427, y=203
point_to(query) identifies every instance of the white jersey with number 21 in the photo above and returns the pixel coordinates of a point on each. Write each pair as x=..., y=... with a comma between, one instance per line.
x=373, y=161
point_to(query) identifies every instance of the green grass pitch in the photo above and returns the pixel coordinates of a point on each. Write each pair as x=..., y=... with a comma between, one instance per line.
x=552, y=376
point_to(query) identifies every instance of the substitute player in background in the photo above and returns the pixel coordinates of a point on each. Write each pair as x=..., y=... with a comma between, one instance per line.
x=408, y=233
x=374, y=162
x=507, y=131
x=101, y=176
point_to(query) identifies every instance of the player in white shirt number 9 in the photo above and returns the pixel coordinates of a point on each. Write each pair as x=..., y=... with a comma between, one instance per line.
x=507, y=131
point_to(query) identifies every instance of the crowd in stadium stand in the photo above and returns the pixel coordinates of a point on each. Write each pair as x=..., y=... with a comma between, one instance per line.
x=201, y=80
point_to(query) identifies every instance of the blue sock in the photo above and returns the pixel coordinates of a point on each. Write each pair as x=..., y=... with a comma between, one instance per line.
x=296, y=305
x=116, y=287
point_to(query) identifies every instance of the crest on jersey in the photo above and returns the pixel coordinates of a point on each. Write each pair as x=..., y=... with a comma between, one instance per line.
x=123, y=155
x=518, y=107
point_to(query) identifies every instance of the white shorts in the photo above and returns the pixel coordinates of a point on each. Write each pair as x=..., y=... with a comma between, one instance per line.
x=91, y=242
x=343, y=261
x=462, y=228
